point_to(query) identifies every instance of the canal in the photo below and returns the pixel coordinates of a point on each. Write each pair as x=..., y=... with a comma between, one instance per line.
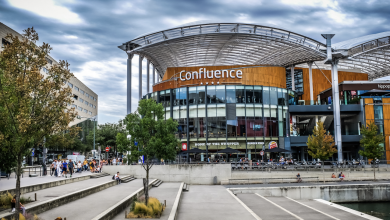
x=378, y=209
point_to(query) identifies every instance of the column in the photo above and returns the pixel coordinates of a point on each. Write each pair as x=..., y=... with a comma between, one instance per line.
x=292, y=79
x=311, y=83
x=336, y=110
x=147, y=76
x=129, y=58
x=158, y=77
x=140, y=77
x=154, y=74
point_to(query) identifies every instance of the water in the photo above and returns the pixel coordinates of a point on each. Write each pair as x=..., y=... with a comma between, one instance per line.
x=378, y=209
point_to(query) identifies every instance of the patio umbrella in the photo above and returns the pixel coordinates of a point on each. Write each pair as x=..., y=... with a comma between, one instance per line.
x=276, y=150
x=228, y=150
x=375, y=92
x=194, y=150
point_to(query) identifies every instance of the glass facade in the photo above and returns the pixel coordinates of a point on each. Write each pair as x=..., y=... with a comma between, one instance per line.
x=248, y=116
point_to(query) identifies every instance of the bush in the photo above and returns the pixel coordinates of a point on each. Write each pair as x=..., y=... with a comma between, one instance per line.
x=154, y=209
x=6, y=198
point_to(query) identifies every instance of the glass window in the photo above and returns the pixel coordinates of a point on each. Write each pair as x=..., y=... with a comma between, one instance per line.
x=85, y=110
x=80, y=109
x=240, y=94
x=201, y=111
x=221, y=110
x=167, y=112
x=176, y=113
x=241, y=127
x=183, y=96
x=193, y=113
x=175, y=96
x=257, y=94
x=258, y=123
x=266, y=95
x=273, y=96
x=202, y=94
x=230, y=94
x=211, y=94
x=202, y=121
x=76, y=88
x=231, y=128
x=220, y=94
x=167, y=98
x=192, y=96
x=70, y=85
x=249, y=94
x=86, y=94
x=211, y=111
x=240, y=110
x=87, y=103
x=378, y=112
x=82, y=92
x=183, y=111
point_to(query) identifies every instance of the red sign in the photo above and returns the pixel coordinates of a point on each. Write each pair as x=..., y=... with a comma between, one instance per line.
x=261, y=153
x=107, y=149
x=272, y=144
x=184, y=146
x=353, y=93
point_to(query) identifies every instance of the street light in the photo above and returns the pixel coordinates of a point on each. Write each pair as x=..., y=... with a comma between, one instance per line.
x=92, y=119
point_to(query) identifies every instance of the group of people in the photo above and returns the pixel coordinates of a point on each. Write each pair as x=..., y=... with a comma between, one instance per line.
x=341, y=176
x=60, y=168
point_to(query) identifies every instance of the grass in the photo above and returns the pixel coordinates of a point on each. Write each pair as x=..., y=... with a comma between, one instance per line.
x=154, y=209
x=6, y=198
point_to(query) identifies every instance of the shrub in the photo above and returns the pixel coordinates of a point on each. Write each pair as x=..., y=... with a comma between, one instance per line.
x=152, y=210
x=6, y=198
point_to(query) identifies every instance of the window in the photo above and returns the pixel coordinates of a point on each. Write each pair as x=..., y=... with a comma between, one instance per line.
x=49, y=60
x=231, y=94
x=92, y=97
x=85, y=110
x=90, y=105
x=90, y=113
x=76, y=88
x=94, y=106
x=82, y=92
x=87, y=103
x=45, y=70
x=75, y=97
x=211, y=96
x=70, y=85
x=74, y=106
x=378, y=112
x=87, y=94
x=79, y=108
x=81, y=100
x=240, y=97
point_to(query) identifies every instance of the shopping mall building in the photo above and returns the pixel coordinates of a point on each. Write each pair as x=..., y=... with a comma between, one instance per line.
x=250, y=87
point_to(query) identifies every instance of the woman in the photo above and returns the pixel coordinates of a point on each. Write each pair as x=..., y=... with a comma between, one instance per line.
x=85, y=165
x=13, y=205
x=79, y=167
x=333, y=175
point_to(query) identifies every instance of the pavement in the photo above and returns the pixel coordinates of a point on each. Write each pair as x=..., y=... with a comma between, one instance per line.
x=166, y=191
x=26, y=181
x=92, y=205
x=307, y=184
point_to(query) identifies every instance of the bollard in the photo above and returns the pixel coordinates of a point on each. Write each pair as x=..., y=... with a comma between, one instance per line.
x=64, y=218
x=35, y=196
x=165, y=203
x=125, y=214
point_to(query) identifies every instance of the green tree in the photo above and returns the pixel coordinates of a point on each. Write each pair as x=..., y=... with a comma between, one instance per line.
x=32, y=105
x=371, y=143
x=105, y=135
x=123, y=143
x=320, y=144
x=153, y=134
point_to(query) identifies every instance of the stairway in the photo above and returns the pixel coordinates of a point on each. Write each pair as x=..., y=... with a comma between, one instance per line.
x=99, y=175
x=127, y=179
x=157, y=183
x=186, y=187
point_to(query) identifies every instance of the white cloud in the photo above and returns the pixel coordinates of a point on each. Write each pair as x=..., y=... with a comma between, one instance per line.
x=71, y=37
x=48, y=9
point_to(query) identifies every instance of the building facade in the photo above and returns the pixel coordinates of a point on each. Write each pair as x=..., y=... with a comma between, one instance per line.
x=252, y=87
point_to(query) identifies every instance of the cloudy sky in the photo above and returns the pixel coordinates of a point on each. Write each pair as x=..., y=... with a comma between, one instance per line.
x=87, y=32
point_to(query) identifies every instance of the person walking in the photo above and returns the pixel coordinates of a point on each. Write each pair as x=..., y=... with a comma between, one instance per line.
x=58, y=168
x=114, y=161
x=13, y=205
x=53, y=168
x=71, y=167
x=92, y=166
x=101, y=165
x=64, y=168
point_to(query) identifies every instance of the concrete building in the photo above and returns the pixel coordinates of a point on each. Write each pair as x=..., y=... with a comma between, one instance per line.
x=85, y=100
x=252, y=87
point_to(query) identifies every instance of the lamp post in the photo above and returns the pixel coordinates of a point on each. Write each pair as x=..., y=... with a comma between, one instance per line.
x=94, y=120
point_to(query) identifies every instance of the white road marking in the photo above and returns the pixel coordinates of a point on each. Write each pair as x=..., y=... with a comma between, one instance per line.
x=363, y=215
x=280, y=207
x=312, y=208
x=243, y=204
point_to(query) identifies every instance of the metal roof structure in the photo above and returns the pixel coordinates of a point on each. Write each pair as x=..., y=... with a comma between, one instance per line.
x=220, y=44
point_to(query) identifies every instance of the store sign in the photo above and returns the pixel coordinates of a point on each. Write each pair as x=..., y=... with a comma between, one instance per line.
x=210, y=74
x=272, y=144
x=75, y=153
x=224, y=143
x=383, y=86
x=184, y=146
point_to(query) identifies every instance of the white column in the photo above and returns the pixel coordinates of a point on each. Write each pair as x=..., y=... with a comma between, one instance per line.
x=129, y=75
x=336, y=110
x=158, y=77
x=292, y=79
x=140, y=77
x=154, y=74
x=311, y=83
x=147, y=76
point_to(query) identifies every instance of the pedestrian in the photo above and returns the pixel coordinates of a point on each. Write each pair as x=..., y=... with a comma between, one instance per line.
x=79, y=167
x=64, y=168
x=85, y=163
x=71, y=167
x=58, y=168
x=92, y=166
x=299, y=179
x=120, y=161
x=117, y=178
x=114, y=161
x=53, y=168
x=101, y=165
x=13, y=205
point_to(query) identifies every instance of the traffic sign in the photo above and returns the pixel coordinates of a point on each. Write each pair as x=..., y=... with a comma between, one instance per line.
x=107, y=149
x=261, y=153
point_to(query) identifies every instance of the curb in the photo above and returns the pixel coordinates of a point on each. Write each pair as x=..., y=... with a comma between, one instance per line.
x=111, y=212
x=175, y=207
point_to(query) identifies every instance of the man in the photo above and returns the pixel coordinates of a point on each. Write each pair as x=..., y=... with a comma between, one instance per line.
x=114, y=161
x=64, y=168
x=79, y=167
x=53, y=168
x=117, y=178
x=58, y=168
x=120, y=161
x=71, y=167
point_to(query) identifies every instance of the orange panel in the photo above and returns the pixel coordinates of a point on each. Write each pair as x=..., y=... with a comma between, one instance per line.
x=266, y=76
x=369, y=110
x=320, y=83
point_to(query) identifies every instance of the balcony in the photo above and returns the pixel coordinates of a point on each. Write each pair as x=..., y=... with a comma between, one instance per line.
x=324, y=109
x=300, y=141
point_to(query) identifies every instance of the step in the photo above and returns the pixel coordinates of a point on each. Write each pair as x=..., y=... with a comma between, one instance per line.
x=91, y=206
x=63, y=195
x=157, y=183
x=33, y=175
x=98, y=175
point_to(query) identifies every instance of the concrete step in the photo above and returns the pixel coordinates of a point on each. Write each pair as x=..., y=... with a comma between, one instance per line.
x=157, y=183
x=33, y=175
x=128, y=179
x=99, y=175
x=48, y=199
x=101, y=205
x=186, y=187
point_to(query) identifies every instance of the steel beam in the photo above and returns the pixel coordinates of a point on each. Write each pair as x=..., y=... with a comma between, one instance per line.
x=311, y=82
x=292, y=79
x=129, y=75
x=140, y=77
x=154, y=74
x=336, y=110
x=147, y=76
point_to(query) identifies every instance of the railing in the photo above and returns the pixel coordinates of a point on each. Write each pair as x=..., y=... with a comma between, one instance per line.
x=272, y=180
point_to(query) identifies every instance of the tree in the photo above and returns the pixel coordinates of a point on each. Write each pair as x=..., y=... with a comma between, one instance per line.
x=321, y=145
x=123, y=143
x=32, y=105
x=105, y=134
x=371, y=143
x=151, y=135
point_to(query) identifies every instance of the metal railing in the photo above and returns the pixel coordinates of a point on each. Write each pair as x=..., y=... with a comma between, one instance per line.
x=273, y=180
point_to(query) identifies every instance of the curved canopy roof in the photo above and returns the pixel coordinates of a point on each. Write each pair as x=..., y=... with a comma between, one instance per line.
x=218, y=44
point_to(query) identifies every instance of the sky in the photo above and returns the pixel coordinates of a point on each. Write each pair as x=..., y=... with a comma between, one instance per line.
x=86, y=33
